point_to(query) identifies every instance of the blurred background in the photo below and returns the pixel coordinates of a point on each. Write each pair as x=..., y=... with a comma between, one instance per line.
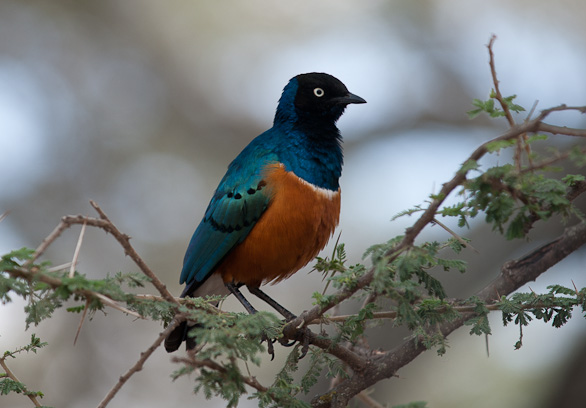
x=140, y=106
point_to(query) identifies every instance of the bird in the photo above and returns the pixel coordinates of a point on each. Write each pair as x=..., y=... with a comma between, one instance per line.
x=278, y=203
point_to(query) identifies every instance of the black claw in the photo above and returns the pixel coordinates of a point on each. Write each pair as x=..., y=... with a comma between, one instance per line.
x=305, y=347
x=270, y=348
x=284, y=343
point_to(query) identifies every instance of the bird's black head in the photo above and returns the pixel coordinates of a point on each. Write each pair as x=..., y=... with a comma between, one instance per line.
x=308, y=141
x=323, y=95
x=314, y=96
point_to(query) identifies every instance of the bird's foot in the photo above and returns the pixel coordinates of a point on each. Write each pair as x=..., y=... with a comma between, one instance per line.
x=302, y=335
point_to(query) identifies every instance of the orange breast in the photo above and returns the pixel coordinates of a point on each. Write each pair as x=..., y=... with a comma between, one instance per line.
x=298, y=223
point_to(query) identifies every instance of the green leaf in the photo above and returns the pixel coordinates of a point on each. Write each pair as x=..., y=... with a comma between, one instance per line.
x=469, y=165
x=497, y=145
x=512, y=106
x=572, y=179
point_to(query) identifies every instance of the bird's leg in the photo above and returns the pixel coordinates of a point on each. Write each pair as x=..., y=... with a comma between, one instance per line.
x=271, y=302
x=251, y=310
x=236, y=292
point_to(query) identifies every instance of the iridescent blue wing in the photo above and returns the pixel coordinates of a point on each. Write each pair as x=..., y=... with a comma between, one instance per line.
x=236, y=206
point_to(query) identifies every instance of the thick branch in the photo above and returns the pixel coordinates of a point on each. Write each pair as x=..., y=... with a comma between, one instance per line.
x=354, y=361
x=514, y=274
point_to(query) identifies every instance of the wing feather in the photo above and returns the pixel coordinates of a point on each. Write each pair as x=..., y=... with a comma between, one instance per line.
x=236, y=206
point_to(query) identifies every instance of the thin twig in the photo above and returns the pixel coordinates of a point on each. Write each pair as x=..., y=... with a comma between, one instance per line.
x=333, y=272
x=563, y=107
x=77, y=249
x=561, y=130
x=549, y=162
x=182, y=301
x=456, y=236
x=495, y=81
x=58, y=268
x=459, y=308
x=455, y=305
x=11, y=375
x=124, y=240
x=115, y=305
x=105, y=224
x=368, y=400
x=531, y=111
x=179, y=318
x=83, y=315
x=31, y=276
x=62, y=226
x=522, y=139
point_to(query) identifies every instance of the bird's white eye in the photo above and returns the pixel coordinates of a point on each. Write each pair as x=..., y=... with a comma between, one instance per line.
x=318, y=92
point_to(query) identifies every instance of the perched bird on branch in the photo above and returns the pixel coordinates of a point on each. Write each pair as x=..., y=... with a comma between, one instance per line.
x=277, y=205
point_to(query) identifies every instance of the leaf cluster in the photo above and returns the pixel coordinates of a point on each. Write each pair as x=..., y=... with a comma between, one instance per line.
x=229, y=339
x=47, y=290
x=407, y=280
x=11, y=385
x=556, y=307
x=491, y=106
x=511, y=200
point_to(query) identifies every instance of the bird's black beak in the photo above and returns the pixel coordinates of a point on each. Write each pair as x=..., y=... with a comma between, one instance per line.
x=349, y=98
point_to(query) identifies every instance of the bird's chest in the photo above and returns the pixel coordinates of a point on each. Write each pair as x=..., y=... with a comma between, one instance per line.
x=297, y=224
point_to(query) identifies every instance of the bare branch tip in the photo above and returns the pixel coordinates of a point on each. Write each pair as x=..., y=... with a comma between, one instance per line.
x=491, y=41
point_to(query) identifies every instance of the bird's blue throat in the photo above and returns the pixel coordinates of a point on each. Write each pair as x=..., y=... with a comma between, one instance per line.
x=314, y=151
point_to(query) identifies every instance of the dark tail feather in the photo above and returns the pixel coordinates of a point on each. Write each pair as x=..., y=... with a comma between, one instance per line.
x=176, y=337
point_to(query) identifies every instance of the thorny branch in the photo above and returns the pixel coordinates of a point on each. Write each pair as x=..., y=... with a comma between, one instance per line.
x=514, y=274
x=512, y=277
x=366, y=369
x=104, y=223
x=364, y=374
